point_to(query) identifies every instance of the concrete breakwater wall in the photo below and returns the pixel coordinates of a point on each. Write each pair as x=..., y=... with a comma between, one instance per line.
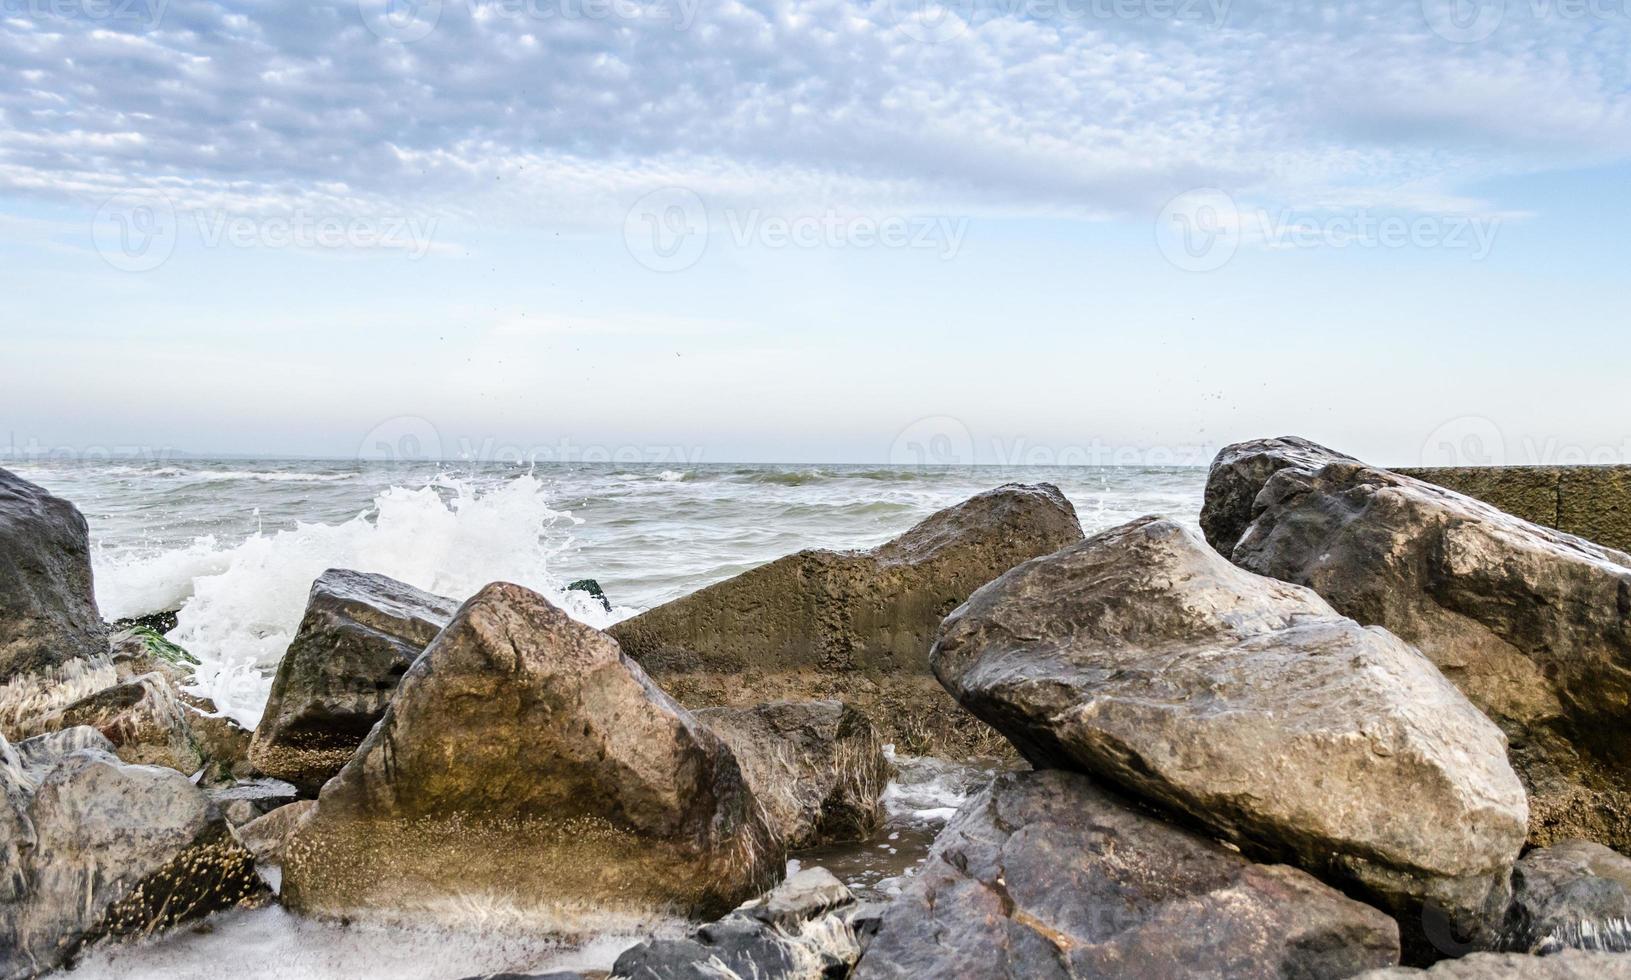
x=1593, y=502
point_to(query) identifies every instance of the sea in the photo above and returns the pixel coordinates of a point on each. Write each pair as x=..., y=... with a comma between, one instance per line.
x=233, y=545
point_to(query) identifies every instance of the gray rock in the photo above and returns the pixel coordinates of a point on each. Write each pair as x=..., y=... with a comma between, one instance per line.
x=267, y=837
x=1047, y=875
x=817, y=767
x=524, y=759
x=95, y=847
x=48, y=611
x=250, y=799
x=358, y=637
x=851, y=625
x=143, y=719
x=137, y=650
x=1533, y=625
x=1249, y=705
x=1570, y=965
x=1571, y=895
x=800, y=931
x=1238, y=475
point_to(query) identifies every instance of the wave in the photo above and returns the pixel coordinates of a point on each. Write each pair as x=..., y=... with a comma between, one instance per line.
x=241, y=603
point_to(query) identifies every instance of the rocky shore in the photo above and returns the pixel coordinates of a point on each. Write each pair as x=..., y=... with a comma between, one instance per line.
x=1361, y=726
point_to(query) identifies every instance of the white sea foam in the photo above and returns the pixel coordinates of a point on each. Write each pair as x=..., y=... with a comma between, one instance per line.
x=240, y=604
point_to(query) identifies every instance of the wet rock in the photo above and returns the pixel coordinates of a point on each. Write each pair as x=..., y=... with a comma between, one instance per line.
x=267, y=837
x=1571, y=895
x=817, y=767
x=142, y=719
x=1239, y=474
x=526, y=761
x=1047, y=875
x=48, y=611
x=592, y=589
x=139, y=650
x=220, y=740
x=800, y=931
x=1532, y=624
x=95, y=847
x=360, y=633
x=1248, y=705
x=1570, y=965
x=249, y=799
x=851, y=625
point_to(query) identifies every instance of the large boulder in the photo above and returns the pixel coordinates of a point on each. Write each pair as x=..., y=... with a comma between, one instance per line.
x=803, y=930
x=1249, y=705
x=1532, y=624
x=851, y=625
x=817, y=767
x=94, y=847
x=1571, y=895
x=48, y=611
x=1570, y=965
x=360, y=634
x=526, y=764
x=1049, y=876
x=1238, y=475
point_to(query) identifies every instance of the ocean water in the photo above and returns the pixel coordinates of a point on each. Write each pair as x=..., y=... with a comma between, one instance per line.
x=235, y=544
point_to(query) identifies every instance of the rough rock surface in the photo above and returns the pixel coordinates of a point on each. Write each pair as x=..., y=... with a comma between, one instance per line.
x=855, y=625
x=1571, y=895
x=1250, y=705
x=1570, y=965
x=48, y=611
x=817, y=767
x=247, y=800
x=802, y=930
x=1532, y=624
x=143, y=719
x=526, y=764
x=1592, y=502
x=268, y=836
x=359, y=635
x=94, y=847
x=1047, y=875
x=1238, y=475
x=137, y=650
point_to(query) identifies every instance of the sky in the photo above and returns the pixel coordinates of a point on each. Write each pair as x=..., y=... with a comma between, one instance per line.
x=1000, y=231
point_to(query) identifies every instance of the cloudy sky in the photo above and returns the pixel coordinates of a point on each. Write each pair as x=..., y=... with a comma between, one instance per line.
x=1027, y=230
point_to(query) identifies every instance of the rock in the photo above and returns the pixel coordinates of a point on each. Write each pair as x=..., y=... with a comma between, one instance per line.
x=267, y=837
x=220, y=740
x=139, y=650
x=48, y=611
x=1048, y=875
x=249, y=799
x=1570, y=965
x=142, y=719
x=1238, y=475
x=525, y=762
x=800, y=931
x=817, y=767
x=1571, y=895
x=96, y=848
x=592, y=588
x=1532, y=624
x=359, y=635
x=1249, y=705
x=851, y=625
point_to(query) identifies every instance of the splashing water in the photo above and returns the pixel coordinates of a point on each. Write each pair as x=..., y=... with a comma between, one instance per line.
x=240, y=606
